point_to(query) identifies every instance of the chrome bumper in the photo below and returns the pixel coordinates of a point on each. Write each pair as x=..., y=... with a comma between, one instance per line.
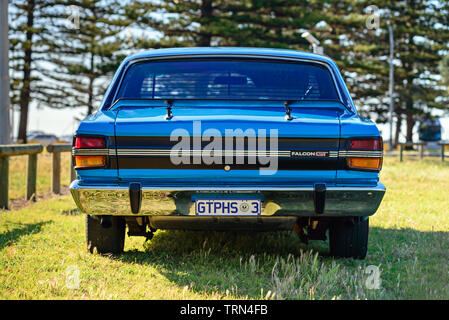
x=277, y=201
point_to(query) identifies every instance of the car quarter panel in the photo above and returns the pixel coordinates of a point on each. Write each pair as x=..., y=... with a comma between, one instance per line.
x=354, y=126
x=99, y=124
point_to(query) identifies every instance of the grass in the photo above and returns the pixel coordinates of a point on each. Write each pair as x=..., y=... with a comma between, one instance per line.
x=41, y=245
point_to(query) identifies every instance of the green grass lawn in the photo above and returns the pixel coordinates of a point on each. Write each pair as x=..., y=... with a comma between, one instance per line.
x=41, y=244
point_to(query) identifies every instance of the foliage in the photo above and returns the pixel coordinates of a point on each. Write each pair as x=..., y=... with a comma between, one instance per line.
x=27, y=29
x=85, y=50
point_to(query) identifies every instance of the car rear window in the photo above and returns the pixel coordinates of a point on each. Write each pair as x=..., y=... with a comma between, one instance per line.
x=227, y=79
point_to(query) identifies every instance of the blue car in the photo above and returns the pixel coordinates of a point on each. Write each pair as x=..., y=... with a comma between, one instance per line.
x=228, y=139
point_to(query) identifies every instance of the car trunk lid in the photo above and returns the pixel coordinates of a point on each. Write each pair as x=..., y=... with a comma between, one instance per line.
x=304, y=149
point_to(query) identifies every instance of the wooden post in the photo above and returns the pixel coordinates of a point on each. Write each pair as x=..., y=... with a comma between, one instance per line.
x=9, y=150
x=56, y=176
x=442, y=152
x=56, y=150
x=421, y=151
x=72, y=170
x=4, y=179
x=400, y=152
x=31, y=177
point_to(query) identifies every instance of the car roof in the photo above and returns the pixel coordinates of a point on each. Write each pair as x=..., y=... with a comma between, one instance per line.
x=269, y=52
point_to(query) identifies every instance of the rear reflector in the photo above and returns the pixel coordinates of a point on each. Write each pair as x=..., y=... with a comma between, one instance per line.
x=90, y=161
x=365, y=163
x=82, y=142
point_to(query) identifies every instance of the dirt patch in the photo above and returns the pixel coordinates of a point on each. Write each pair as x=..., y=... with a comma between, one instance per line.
x=16, y=204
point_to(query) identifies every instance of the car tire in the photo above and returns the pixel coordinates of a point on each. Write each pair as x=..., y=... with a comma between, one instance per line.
x=109, y=239
x=348, y=238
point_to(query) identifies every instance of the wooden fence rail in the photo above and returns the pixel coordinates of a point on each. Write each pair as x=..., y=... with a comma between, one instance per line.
x=31, y=150
x=421, y=146
x=410, y=144
x=7, y=151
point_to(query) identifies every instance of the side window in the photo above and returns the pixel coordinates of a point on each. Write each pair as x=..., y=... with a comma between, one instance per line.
x=111, y=90
x=346, y=99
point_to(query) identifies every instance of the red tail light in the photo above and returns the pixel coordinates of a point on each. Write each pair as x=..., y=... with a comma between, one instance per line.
x=82, y=142
x=365, y=154
x=366, y=144
x=91, y=159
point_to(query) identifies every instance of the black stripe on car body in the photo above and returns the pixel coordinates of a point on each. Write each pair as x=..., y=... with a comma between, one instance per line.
x=324, y=144
x=164, y=162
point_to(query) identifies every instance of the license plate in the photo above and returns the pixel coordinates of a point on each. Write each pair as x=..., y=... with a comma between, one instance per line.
x=227, y=207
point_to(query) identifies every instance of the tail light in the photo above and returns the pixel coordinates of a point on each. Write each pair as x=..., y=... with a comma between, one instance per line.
x=85, y=152
x=86, y=142
x=365, y=154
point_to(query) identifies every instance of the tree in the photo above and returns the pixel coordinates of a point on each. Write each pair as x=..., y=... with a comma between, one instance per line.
x=419, y=44
x=421, y=37
x=347, y=31
x=85, y=50
x=27, y=27
x=256, y=23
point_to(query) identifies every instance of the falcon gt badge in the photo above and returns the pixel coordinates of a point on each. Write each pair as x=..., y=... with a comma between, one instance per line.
x=319, y=154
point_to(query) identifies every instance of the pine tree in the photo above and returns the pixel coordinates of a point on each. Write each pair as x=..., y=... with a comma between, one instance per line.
x=420, y=44
x=27, y=29
x=85, y=50
x=362, y=53
x=255, y=23
x=419, y=47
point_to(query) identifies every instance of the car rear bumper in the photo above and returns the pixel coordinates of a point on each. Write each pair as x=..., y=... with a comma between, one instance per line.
x=316, y=201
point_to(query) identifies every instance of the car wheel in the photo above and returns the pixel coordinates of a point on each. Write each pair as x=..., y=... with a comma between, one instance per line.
x=107, y=238
x=348, y=238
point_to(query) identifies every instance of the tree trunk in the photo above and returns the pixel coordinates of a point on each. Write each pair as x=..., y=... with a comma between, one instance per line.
x=206, y=12
x=90, y=107
x=25, y=90
x=398, y=129
x=410, y=125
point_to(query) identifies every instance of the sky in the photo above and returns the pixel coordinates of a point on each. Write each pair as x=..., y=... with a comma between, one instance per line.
x=59, y=122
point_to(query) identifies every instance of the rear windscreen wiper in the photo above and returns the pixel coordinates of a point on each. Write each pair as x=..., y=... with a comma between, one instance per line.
x=169, y=112
x=287, y=104
x=288, y=110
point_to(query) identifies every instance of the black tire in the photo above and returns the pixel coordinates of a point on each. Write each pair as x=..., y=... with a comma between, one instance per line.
x=348, y=238
x=105, y=240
